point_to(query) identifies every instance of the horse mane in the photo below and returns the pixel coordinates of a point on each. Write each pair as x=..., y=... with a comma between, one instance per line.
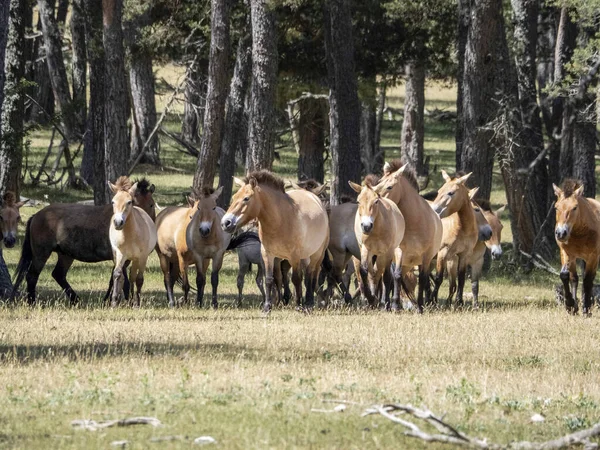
x=569, y=186
x=203, y=192
x=9, y=199
x=266, y=178
x=431, y=195
x=484, y=204
x=371, y=180
x=309, y=184
x=409, y=173
x=143, y=186
x=123, y=183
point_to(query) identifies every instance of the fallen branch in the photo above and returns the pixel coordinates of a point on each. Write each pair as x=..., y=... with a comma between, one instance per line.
x=92, y=425
x=540, y=263
x=447, y=434
x=190, y=149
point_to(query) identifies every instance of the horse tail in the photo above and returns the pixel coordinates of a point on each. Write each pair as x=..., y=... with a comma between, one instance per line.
x=407, y=291
x=327, y=265
x=24, y=261
x=243, y=239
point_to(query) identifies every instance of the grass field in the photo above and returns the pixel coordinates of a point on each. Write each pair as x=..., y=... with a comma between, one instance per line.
x=253, y=382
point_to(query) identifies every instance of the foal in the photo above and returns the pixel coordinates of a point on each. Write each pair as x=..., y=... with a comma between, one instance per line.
x=577, y=234
x=132, y=237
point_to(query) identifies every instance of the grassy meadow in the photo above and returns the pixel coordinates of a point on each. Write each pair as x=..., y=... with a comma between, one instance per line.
x=255, y=382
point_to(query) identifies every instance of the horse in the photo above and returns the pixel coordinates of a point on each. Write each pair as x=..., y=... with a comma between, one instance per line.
x=74, y=232
x=292, y=225
x=423, y=234
x=132, y=236
x=460, y=231
x=577, y=234
x=248, y=254
x=10, y=218
x=379, y=227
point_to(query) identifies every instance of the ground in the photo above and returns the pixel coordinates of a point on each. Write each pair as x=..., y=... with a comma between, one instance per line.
x=253, y=382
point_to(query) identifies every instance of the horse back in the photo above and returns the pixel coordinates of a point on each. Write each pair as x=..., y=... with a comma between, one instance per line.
x=147, y=234
x=312, y=225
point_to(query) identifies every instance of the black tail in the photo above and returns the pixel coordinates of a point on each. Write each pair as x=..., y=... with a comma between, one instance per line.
x=327, y=265
x=406, y=290
x=243, y=239
x=24, y=262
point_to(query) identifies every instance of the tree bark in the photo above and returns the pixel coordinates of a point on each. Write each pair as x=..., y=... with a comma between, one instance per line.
x=585, y=142
x=261, y=138
x=79, y=65
x=379, y=153
x=480, y=92
x=92, y=165
x=42, y=109
x=462, y=33
x=13, y=105
x=116, y=108
x=413, y=125
x=61, y=11
x=195, y=101
x=216, y=95
x=4, y=10
x=234, y=118
x=368, y=124
x=311, y=130
x=344, y=107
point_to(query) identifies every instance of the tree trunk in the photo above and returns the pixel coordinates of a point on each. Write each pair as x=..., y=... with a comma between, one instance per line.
x=525, y=189
x=261, y=136
x=368, y=123
x=585, y=142
x=92, y=166
x=216, y=95
x=480, y=92
x=344, y=107
x=4, y=10
x=40, y=111
x=311, y=133
x=79, y=65
x=379, y=154
x=234, y=118
x=13, y=105
x=462, y=33
x=116, y=111
x=413, y=125
x=195, y=101
x=61, y=11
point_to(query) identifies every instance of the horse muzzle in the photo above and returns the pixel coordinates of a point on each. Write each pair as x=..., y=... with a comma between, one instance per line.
x=9, y=241
x=561, y=233
x=366, y=226
x=204, y=231
x=496, y=252
x=229, y=223
x=485, y=233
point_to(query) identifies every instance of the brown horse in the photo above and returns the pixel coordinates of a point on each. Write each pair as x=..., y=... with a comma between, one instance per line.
x=132, y=236
x=74, y=232
x=379, y=227
x=292, y=225
x=577, y=234
x=10, y=218
x=423, y=234
x=460, y=231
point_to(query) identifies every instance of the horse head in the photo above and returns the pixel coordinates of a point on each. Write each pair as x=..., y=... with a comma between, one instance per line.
x=205, y=205
x=369, y=202
x=244, y=207
x=122, y=201
x=493, y=218
x=9, y=219
x=567, y=211
x=451, y=196
x=144, y=199
x=389, y=186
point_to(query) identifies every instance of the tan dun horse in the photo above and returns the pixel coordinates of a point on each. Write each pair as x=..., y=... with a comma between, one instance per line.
x=423, y=234
x=74, y=232
x=10, y=218
x=292, y=225
x=577, y=234
x=132, y=237
x=460, y=230
x=379, y=228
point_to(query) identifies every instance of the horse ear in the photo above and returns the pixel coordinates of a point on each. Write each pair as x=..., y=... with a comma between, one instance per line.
x=464, y=178
x=557, y=191
x=387, y=168
x=112, y=187
x=499, y=211
x=473, y=192
x=239, y=182
x=319, y=190
x=152, y=188
x=355, y=187
x=446, y=176
x=252, y=182
x=133, y=189
x=398, y=173
x=215, y=195
x=190, y=201
x=19, y=204
x=579, y=191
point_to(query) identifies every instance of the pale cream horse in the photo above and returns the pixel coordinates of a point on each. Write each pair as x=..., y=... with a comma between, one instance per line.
x=379, y=227
x=292, y=225
x=132, y=237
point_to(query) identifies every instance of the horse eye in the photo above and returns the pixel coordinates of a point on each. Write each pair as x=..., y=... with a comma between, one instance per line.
x=112, y=202
x=450, y=194
x=246, y=199
x=152, y=205
x=129, y=202
x=376, y=201
x=476, y=209
x=214, y=207
x=389, y=188
x=574, y=208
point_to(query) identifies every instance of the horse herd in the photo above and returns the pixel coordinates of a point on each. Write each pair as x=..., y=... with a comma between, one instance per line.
x=389, y=237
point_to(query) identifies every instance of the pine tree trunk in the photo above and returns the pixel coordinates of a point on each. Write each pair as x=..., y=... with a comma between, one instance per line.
x=379, y=154
x=585, y=143
x=116, y=108
x=195, y=101
x=413, y=125
x=233, y=135
x=216, y=95
x=4, y=10
x=462, y=33
x=42, y=110
x=344, y=106
x=79, y=65
x=92, y=166
x=261, y=136
x=311, y=130
x=61, y=11
x=480, y=92
x=5, y=281
x=368, y=123
x=13, y=105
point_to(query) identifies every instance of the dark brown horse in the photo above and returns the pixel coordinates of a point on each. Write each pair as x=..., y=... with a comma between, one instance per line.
x=74, y=232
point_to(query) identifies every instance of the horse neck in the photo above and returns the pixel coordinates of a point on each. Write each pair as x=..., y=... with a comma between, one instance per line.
x=274, y=206
x=466, y=215
x=131, y=224
x=381, y=221
x=585, y=216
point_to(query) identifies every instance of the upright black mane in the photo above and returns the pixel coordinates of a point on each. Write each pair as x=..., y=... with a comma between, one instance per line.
x=144, y=186
x=409, y=173
x=570, y=185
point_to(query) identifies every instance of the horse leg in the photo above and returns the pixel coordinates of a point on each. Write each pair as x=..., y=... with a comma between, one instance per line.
x=452, y=270
x=60, y=276
x=243, y=268
x=201, y=268
x=217, y=262
x=462, y=274
x=588, y=287
x=38, y=262
x=183, y=272
x=117, y=278
x=362, y=278
x=269, y=280
x=133, y=276
x=476, y=270
x=285, y=280
x=568, y=272
x=397, y=279
x=260, y=279
x=439, y=275
x=297, y=282
x=165, y=267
